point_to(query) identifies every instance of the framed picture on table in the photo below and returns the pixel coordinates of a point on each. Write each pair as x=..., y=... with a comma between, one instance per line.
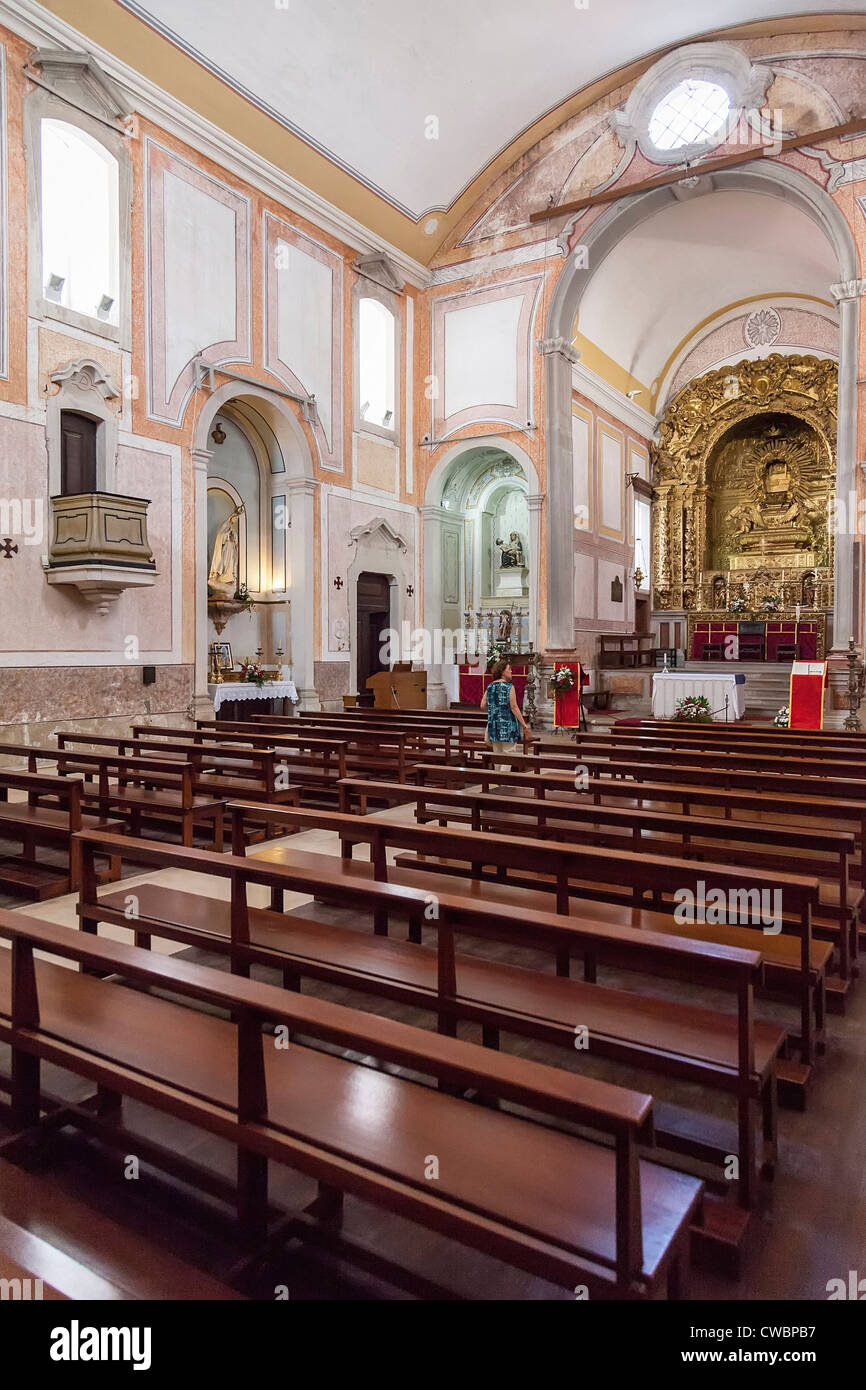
x=221, y=656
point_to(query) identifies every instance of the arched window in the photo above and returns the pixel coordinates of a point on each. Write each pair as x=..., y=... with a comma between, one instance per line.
x=692, y=113
x=376, y=365
x=80, y=228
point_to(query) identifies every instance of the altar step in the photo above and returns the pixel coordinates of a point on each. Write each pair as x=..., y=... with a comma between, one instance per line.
x=767, y=686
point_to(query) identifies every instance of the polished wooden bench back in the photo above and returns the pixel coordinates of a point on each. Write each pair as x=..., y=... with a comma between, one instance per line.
x=625, y=1116
x=37, y=824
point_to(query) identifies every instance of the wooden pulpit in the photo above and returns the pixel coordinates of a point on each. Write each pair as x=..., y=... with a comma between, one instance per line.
x=401, y=688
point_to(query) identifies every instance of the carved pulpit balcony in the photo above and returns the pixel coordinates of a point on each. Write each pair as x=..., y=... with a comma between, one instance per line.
x=99, y=544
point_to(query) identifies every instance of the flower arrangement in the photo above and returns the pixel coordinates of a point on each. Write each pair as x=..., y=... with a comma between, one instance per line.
x=562, y=681
x=738, y=605
x=252, y=673
x=782, y=719
x=694, y=707
x=770, y=603
x=497, y=651
x=242, y=595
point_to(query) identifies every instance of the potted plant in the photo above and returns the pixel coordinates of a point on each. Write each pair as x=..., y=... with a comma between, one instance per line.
x=695, y=708
x=738, y=605
x=782, y=718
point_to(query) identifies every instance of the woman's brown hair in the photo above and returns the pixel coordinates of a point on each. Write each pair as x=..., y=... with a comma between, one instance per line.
x=497, y=670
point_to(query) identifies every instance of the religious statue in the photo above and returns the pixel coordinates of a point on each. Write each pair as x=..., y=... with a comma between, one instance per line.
x=808, y=591
x=504, y=630
x=224, y=573
x=745, y=516
x=512, y=553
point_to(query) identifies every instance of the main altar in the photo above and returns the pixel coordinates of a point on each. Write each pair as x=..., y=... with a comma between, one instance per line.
x=744, y=493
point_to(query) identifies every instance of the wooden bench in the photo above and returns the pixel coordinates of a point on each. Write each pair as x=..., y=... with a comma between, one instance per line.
x=218, y=770
x=703, y=1045
x=825, y=853
x=444, y=860
x=562, y=1207
x=106, y=1265
x=37, y=825
x=141, y=789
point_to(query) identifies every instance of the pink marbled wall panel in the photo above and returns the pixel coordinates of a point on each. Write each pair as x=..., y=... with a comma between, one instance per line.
x=38, y=617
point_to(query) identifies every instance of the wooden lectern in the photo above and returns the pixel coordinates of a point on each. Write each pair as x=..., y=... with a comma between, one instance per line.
x=401, y=688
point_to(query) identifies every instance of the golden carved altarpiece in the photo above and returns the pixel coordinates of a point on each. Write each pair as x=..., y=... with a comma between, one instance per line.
x=744, y=480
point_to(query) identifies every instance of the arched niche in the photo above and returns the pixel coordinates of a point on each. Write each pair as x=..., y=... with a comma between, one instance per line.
x=465, y=492
x=282, y=581
x=770, y=178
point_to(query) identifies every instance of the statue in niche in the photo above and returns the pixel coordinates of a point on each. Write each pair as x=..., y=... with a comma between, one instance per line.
x=720, y=598
x=808, y=591
x=224, y=573
x=512, y=556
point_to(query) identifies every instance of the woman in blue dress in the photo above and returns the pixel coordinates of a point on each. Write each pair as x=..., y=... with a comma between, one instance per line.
x=504, y=719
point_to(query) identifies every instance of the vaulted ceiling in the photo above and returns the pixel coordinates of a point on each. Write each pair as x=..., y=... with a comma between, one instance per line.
x=339, y=92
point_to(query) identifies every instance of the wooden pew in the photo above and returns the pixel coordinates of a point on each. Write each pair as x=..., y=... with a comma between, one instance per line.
x=744, y=732
x=375, y=750
x=754, y=844
x=684, y=1041
x=256, y=774
x=138, y=788
x=48, y=826
x=564, y=1208
x=756, y=749
x=315, y=765
x=492, y=866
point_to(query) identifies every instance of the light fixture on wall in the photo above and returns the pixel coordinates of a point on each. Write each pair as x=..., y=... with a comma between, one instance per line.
x=638, y=577
x=54, y=288
x=104, y=307
x=218, y=434
x=389, y=415
x=635, y=391
x=364, y=408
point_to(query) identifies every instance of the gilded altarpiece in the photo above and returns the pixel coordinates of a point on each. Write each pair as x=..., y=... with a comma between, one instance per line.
x=744, y=485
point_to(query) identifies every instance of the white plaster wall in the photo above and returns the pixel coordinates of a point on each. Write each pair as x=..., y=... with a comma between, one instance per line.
x=584, y=587
x=481, y=355
x=608, y=611
x=610, y=469
x=200, y=289
x=304, y=299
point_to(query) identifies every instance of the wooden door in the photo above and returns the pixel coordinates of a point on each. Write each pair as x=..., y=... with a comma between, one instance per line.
x=374, y=618
x=77, y=453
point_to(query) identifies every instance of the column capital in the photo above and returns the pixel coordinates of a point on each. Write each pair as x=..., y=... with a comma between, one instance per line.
x=848, y=289
x=546, y=346
x=200, y=459
x=433, y=512
x=534, y=501
x=302, y=485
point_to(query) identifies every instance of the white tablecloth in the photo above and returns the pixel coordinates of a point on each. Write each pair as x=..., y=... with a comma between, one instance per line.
x=667, y=689
x=246, y=690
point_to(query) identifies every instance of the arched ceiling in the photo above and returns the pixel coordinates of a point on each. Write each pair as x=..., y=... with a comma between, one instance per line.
x=691, y=260
x=353, y=82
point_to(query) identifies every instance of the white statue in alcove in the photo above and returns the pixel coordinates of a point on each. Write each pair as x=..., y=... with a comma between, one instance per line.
x=224, y=570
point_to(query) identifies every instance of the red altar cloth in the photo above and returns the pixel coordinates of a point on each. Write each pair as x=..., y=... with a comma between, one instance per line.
x=779, y=632
x=471, y=684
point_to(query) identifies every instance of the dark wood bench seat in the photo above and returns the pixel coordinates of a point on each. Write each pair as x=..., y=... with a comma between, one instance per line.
x=564, y=1207
x=36, y=824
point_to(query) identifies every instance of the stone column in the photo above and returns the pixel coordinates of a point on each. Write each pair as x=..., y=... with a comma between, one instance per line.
x=559, y=358
x=301, y=493
x=534, y=502
x=202, y=704
x=432, y=518
x=847, y=295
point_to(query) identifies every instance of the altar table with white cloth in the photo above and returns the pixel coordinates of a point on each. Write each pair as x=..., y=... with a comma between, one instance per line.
x=248, y=690
x=668, y=687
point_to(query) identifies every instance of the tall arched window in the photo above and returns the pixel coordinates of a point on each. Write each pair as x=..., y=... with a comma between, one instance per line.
x=80, y=231
x=376, y=365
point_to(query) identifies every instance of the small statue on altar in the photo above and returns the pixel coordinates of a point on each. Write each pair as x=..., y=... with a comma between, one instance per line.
x=503, y=633
x=808, y=590
x=223, y=575
x=512, y=556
